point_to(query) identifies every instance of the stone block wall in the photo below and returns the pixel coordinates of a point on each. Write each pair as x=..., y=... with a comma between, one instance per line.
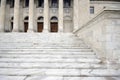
x=102, y=33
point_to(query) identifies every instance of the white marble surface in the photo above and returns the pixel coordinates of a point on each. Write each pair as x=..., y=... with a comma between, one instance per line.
x=55, y=78
x=65, y=59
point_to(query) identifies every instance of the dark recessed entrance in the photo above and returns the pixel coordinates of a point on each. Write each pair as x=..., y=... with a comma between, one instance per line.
x=54, y=27
x=54, y=24
x=25, y=26
x=26, y=23
x=11, y=26
x=40, y=26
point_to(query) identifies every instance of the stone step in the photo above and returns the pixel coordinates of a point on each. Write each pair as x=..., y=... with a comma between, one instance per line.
x=52, y=65
x=40, y=44
x=46, y=53
x=57, y=45
x=61, y=72
x=84, y=60
x=45, y=56
x=43, y=77
x=60, y=50
x=38, y=47
x=71, y=78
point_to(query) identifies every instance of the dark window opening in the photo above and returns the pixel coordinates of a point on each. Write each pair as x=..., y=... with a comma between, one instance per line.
x=54, y=18
x=54, y=4
x=0, y=2
x=40, y=18
x=12, y=18
x=26, y=18
x=67, y=3
x=41, y=3
x=91, y=9
x=12, y=4
x=26, y=3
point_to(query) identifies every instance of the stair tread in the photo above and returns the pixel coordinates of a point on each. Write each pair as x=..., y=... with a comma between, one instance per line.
x=51, y=55
x=61, y=72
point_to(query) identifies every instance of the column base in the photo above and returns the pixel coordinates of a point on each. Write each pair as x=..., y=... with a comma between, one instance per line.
x=45, y=31
x=15, y=31
x=60, y=31
x=1, y=29
x=30, y=31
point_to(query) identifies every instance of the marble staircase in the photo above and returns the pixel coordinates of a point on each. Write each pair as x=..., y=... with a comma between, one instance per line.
x=50, y=56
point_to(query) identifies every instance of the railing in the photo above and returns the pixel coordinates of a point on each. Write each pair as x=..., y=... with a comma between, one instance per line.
x=100, y=33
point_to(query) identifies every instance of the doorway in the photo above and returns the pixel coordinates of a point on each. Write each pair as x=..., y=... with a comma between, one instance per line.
x=11, y=26
x=40, y=26
x=25, y=26
x=26, y=23
x=54, y=24
x=54, y=27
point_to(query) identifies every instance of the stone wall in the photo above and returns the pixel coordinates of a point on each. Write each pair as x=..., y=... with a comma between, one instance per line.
x=102, y=33
x=83, y=11
x=100, y=5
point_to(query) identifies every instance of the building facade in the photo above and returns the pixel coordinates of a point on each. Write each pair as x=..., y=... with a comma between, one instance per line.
x=48, y=15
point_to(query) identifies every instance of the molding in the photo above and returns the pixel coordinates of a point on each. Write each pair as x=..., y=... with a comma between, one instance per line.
x=104, y=2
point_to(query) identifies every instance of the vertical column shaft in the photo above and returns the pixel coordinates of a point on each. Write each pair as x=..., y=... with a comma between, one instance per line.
x=46, y=16
x=75, y=14
x=16, y=16
x=2, y=15
x=60, y=20
x=31, y=15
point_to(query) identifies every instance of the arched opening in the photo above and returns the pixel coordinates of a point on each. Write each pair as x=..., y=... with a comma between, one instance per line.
x=40, y=24
x=54, y=24
x=11, y=25
x=68, y=24
x=26, y=23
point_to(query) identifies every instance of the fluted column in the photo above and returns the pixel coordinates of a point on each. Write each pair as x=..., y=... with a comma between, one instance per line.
x=2, y=15
x=46, y=16
x=31, y=15
x=75, y=14
x=60, y=20
x=16, y=16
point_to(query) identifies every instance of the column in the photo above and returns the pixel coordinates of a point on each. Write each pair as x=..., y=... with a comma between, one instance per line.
x=60, y=20
x=31, y=15
x=2, y=15
x=46, y=16
x=16, y=16
x=75, y=14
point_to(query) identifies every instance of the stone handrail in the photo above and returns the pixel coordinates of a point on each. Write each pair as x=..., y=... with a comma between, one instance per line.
x=102, y=33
